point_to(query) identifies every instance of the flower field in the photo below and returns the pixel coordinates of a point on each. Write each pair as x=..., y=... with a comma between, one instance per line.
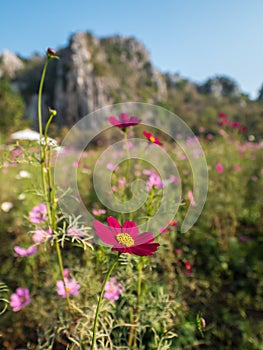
x=122, y=281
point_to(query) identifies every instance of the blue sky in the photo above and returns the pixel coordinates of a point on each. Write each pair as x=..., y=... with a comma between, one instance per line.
x=195, y=38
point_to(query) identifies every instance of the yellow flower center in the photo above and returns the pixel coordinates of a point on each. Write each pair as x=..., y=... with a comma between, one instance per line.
x=152, y=139
x=125, y=239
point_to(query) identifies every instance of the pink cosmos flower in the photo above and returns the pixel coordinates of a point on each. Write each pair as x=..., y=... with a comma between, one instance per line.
x=38, y=214
x=237, y=167
x=235, y=125
x=41, y=235
x=151, y=138
x=219, y=168
x=22, y=252
x=222, y=115
x=126, y=238
x=72, y=287
x=113, y=290
x=20, y=299
x=98, y=212
x=75, y=231
x=154, y=181
x=124, y=121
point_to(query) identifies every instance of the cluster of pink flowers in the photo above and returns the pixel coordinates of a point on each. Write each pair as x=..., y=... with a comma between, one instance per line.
x=37, y=215
x=113, y=290
x=224, y=121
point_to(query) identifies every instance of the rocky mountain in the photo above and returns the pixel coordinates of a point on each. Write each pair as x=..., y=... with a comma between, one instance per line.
x=93, y=72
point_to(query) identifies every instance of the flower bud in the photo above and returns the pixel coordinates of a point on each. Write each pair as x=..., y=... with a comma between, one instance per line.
x=51, y=53
x=52, y=112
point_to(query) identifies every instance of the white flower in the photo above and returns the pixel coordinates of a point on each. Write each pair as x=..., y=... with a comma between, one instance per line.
x=23, y=174
x=7, y=206
x=21, y=196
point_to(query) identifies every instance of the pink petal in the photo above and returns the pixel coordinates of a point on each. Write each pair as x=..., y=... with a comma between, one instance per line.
x=145, y=249
x=106, y=235
x=114, y=121
x=146, y=237
x=114, y=223
x=131, y=228
x=123, y=249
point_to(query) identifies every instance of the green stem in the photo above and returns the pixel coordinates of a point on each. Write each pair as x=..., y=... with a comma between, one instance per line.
x=128, y=162
x=40, y=126
x=100, y=299
x=46, y=175
x=61, y=268
x=127, y=153
x=139, y=288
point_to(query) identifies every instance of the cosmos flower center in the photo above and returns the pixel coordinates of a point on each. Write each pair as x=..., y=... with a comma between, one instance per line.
x=22, y=299
x=125, y=239
x=152, y=138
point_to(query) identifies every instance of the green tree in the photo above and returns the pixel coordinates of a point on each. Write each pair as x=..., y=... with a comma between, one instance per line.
x=12, y=108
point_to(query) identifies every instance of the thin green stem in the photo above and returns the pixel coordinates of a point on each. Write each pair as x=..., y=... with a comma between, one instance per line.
x=46, y=175
x=139, y=288
x=125, y=136
x=40, y=126
x=115, y=261
x=61, y=268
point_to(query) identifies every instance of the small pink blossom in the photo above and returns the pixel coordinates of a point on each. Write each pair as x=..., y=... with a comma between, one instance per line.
x=219, y=168
x=154, y=181
x=122, y=182
x=38, y=214
x=20, y=299
x=75, y=231
x=72, y=287
x=66, y=273
x=41, y=235
x=22, y=252
x=112, y=167
x=113, y=290
x=237, y=167
x=98, y=212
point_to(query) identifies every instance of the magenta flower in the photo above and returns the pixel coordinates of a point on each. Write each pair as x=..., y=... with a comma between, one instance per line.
x=124, y=121
x=41, y=235
x=75, y=231
x=72, y=287
x=20, y=299
x=38, y=214
x=25, y=251
x=126, y=238
x=152, y=138
x=113, y=290
x=219, y=168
